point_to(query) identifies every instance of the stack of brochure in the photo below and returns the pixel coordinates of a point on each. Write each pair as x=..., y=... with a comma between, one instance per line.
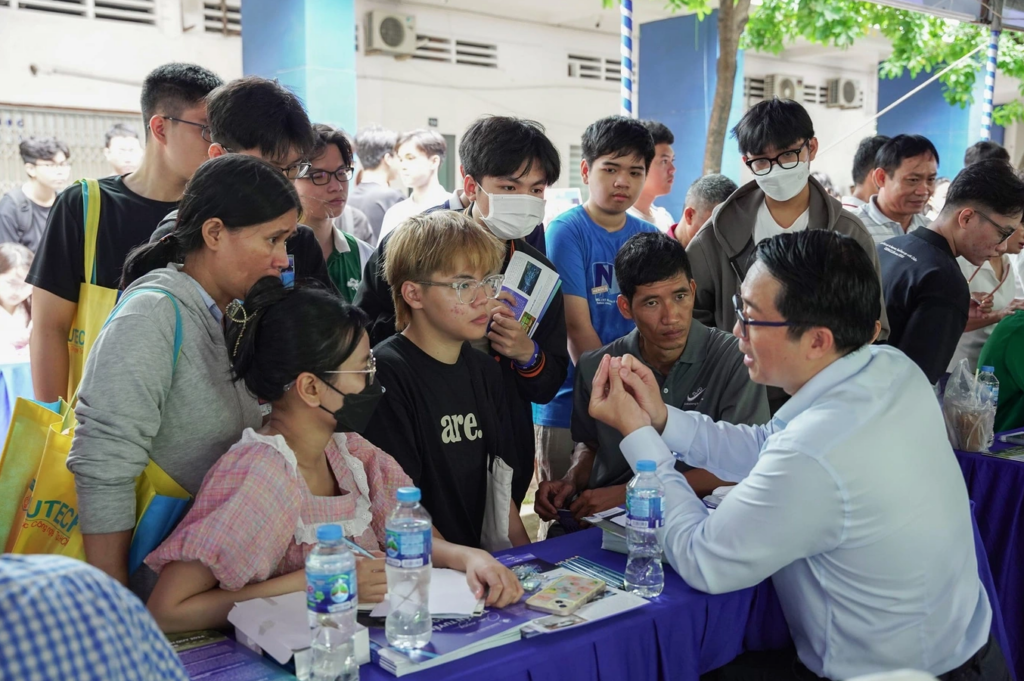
x=533, y=286
x=455, y=639
x=613, y=529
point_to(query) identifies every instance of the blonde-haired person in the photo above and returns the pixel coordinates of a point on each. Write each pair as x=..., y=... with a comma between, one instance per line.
x=15, y=303
x=444, y=416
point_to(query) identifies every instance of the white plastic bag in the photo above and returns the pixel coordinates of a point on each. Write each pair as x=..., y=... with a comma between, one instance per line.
x=969, y=410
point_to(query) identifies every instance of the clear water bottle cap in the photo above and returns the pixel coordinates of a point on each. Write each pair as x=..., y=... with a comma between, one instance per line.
x=328, y=533
x=645, y=466
x=990, y=370
x=408, y=494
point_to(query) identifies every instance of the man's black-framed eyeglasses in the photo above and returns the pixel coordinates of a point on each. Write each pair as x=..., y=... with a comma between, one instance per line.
x=204, y=130
x=737, y=303
x=1001, y=229
x=787, y=160
x=322, y=177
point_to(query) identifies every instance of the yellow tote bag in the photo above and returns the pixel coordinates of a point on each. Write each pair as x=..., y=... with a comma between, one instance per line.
x=23, y=450
x=50, y=521
x=94, y=302
x=49, y=517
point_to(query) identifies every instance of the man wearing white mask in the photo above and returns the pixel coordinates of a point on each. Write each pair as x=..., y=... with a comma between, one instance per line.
x=778, y=144
x=507, y=163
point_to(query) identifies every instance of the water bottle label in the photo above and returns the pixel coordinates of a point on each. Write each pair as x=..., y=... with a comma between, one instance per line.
x=408, y=549
x=330, y=593
x=644, y=513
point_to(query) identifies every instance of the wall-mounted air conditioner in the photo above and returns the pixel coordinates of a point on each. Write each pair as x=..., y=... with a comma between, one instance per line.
x=845, y=93
x=784, y=87
x=390, y=33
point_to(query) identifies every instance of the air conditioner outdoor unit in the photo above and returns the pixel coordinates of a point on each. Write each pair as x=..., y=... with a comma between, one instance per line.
x=783, y=87
x=390, y=33
x=844, y=93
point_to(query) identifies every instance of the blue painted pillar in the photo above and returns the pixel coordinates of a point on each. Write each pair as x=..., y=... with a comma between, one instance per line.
x=950, y=128
x=309, y=46
x=678, y=58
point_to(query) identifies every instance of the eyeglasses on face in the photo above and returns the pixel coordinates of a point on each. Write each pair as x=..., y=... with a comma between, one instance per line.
x=370, y=371
x=745, y=321
x=204, y=130
x=467, y=289
x=322, y=177
x=1003, y=231
x=786, y=160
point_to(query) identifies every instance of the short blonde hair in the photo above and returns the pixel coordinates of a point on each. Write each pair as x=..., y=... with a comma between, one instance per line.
x=434, y=242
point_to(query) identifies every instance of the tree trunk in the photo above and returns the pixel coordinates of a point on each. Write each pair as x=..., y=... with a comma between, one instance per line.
x=732, y=19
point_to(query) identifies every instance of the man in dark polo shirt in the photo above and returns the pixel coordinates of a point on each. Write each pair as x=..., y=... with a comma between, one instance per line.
x=698, y=368
x=926, y=296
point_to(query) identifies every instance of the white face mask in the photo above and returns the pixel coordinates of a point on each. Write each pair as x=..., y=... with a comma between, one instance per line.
x=512, y=216
x=782, y=184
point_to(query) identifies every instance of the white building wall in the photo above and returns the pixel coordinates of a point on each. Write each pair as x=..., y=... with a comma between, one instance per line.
x=531, y=80
x=111, y=57
x=110, y=60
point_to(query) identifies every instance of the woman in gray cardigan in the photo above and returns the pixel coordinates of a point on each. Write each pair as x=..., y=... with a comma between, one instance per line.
x=136, y=404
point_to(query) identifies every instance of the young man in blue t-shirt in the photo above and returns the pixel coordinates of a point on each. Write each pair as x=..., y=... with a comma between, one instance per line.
x=582, y=243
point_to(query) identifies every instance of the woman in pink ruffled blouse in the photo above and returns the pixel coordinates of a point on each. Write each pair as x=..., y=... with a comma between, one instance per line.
x=254, y=520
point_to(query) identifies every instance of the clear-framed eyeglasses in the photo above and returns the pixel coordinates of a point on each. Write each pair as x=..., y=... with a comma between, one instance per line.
x=370, y=371
x=468, y=289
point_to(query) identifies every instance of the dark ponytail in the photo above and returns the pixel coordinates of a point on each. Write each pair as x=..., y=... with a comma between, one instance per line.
x=243, y=191
x=278, y=333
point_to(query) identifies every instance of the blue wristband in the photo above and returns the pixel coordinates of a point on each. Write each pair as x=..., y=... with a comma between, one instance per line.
x=533, y=359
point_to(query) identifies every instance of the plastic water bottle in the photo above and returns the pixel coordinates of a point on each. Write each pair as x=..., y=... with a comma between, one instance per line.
x=989, y=389
x=331, y=595
x=644, y=496
x=408, y=624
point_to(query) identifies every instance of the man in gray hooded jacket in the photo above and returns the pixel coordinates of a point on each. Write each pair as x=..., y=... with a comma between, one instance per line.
x=777, y=140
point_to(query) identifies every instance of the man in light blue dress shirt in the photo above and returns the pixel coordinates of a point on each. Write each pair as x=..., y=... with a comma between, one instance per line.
x=850, y=498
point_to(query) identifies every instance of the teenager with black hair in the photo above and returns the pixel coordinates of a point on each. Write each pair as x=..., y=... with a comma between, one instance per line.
x=698, y=368
x=373, y=194
x=420, y=154
x=864, y=186
x=660, y=177
x=582, y=243
x=122, y=149
x=776, y=138
x=507, y=163
x=324, y=193
x=139, y=402
x=849, y=499
x=24, y=209
x=258, y=117
x=906, y=168
x=928, y=298
x=254, y=521
x=131, y=206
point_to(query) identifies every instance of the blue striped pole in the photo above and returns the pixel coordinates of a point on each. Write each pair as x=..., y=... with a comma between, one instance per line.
x=626, y=10
x=990, y=84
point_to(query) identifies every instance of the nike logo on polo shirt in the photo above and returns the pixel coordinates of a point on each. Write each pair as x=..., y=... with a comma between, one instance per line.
x=695, y=394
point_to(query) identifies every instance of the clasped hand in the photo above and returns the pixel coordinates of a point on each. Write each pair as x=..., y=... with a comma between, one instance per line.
x=626, y=395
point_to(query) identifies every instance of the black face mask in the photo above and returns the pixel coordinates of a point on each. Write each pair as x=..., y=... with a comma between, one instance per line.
x=355, y=414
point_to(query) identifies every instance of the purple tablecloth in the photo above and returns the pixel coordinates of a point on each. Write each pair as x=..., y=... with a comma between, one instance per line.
x=679, y=635
x=996, y=486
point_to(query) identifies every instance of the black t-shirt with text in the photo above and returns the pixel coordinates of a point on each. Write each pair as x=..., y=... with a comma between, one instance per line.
x=126, y=220
x=433, y=420
x=926, y=297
